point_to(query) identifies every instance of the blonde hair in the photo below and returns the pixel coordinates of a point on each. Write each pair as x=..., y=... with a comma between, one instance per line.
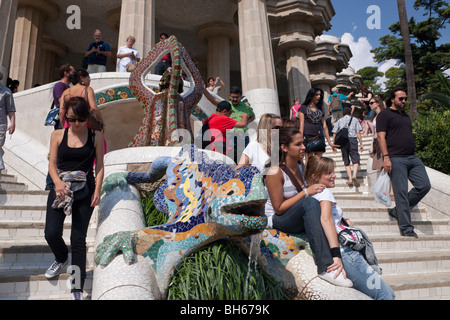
x=131, y=38
x=316, y=167
x=266, y=123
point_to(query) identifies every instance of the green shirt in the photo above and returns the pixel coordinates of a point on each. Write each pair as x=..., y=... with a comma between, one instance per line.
x=239, y=110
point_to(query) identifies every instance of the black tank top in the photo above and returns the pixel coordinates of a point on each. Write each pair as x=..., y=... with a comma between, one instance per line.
x=77, y=159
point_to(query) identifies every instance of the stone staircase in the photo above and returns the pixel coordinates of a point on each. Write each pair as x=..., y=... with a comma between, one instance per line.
x=414, y=268
x=24, y=253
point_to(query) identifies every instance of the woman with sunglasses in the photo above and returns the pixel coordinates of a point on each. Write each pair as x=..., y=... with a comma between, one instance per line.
x=258, y=152
x=313, y=125
x=377, y=105
x=291, y=208
x=72, y=154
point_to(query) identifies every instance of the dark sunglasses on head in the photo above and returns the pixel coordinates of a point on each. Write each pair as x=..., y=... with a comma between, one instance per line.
x=69, y=119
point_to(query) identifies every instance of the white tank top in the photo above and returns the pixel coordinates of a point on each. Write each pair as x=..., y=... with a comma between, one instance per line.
x=289, y=190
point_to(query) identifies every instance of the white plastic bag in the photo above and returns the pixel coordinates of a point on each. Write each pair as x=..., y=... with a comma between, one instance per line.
x=381, y=189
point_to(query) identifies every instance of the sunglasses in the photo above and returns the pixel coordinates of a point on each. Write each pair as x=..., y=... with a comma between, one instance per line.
x=372, y=102
x=403, y=98
x=277, y=127
x=70, y=119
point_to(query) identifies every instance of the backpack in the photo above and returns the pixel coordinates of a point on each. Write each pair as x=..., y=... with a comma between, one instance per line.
x=341, y=138
x=350, y=237
x=335, y=103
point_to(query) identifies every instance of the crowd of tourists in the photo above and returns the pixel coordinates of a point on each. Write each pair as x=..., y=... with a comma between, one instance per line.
x=288, y=152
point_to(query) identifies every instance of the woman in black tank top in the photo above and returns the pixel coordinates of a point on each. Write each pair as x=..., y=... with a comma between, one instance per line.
x=73, y=149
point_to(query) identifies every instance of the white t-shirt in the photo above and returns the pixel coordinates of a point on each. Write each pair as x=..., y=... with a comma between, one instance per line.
x=122, y=65
x=336, y=212
x=257, y=156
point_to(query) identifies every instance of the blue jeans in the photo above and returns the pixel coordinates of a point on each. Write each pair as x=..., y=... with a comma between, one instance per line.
x=403, y=169
x=364, y=278
x=305, y=216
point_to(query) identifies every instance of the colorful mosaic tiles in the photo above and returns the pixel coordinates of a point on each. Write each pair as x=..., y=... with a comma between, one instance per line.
x=205, y=200
x=167, y=111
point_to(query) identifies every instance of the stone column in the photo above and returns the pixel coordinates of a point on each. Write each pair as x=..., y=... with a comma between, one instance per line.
x=28, y=33
x=137, y=18
x=48, y=71
x=297, y=23
x=8, y=11
x=219, y=37
x=257, y=64
x=329, y=58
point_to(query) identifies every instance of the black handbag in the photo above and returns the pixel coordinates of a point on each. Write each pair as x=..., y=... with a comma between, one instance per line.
x=315, y=144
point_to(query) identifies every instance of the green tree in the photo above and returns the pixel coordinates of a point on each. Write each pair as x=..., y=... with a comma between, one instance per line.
x=429, y=57
x=369, y=76
x=410, y=81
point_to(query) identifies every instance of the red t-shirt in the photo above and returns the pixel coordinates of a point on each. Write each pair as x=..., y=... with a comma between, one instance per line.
x=218, y=126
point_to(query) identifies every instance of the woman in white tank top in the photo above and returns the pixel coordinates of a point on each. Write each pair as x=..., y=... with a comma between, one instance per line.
x=290, y=207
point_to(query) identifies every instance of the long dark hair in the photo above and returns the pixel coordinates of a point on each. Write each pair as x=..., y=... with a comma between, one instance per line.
x=79, y=107
x=285, y=136
x=80, y=73
x=310, y=95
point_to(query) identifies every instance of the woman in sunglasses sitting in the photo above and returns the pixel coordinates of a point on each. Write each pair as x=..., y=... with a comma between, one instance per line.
x=75, y=191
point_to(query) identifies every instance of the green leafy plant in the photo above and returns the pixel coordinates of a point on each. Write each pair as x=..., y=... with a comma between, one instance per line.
x=432, y=134
x=221, y=272
x=152, y=216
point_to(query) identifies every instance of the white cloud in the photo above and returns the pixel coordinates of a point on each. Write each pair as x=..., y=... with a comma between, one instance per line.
x=362, y=57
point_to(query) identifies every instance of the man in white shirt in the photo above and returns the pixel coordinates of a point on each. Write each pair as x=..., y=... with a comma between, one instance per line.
x=350, y=150
x=128, y=55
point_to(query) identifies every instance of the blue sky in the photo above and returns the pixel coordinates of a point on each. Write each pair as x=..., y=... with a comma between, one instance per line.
x=350, y=24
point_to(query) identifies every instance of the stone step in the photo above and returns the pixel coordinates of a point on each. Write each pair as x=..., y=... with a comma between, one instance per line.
x=7, y=178
x=18, y=212
x=33, y=285
x=33, y=230
x=34, y=255
x=397, y=243
x=420, y=286
x=12, y=186
x=391, y=227
x=402, y=263
x=21, y=197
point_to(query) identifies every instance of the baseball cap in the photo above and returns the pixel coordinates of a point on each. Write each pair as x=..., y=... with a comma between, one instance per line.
x=224, y=105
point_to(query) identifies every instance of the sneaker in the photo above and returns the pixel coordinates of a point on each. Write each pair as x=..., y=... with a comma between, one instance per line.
x=338, y=281
x=77, y=295
x=55, y=269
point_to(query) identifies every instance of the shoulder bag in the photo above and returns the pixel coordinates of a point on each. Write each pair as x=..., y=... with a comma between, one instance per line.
x=341, y=138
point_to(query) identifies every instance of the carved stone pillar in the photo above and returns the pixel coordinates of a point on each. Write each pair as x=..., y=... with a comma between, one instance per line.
x=219, y=36
x=329, y=58
x=257, y=64
x=28, y=33
x=137, y=18
x=8, y=10
x=48, y=71
x=296, y=24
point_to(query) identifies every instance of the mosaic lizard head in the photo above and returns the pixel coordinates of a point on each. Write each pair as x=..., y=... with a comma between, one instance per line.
x=199, y=190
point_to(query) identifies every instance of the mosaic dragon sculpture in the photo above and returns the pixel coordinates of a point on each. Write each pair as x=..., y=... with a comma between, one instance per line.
x=206, y=201
x=167, y=112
